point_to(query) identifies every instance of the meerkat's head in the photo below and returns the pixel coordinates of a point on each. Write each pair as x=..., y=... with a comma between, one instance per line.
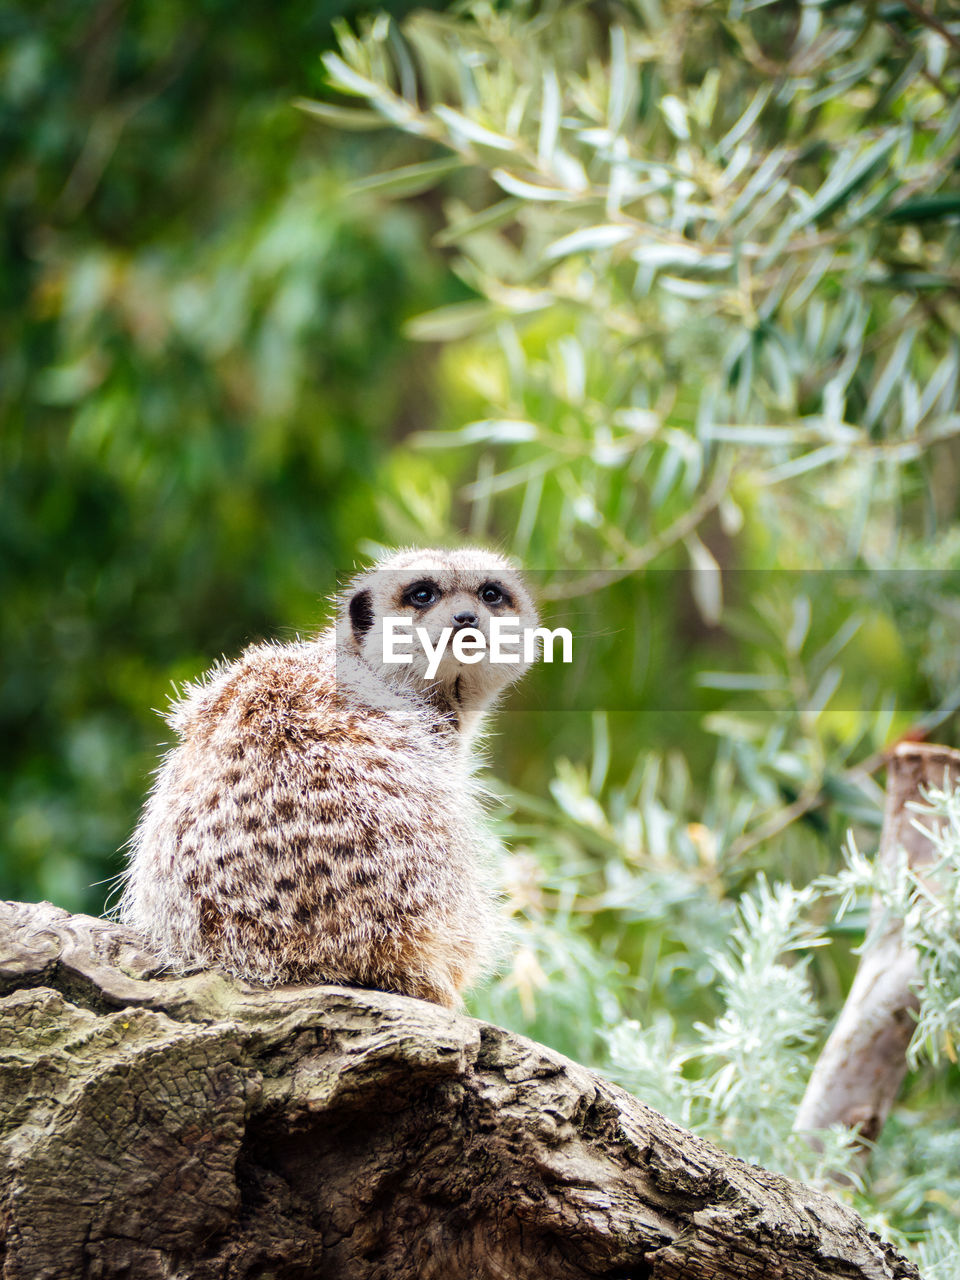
x=444, y=594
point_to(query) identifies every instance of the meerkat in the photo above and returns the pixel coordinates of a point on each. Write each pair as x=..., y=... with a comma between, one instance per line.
x=319, y=819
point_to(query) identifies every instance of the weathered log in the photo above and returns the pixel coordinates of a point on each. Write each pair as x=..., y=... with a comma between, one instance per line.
x=196, y=1127
x=861, y=1068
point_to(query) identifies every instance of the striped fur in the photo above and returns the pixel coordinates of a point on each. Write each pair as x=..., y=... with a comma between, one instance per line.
x=319, y=819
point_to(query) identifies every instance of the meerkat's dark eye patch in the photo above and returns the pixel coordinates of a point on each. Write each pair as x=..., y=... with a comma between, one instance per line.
x=492, y=593
x=361, y=613
x=421, y=595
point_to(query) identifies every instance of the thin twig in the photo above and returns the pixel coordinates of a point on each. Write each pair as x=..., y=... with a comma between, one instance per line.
x=681, y=528
x=776, y=823
x=104, y=134
x=931, y=20
x=810, y=800
x=925, y=71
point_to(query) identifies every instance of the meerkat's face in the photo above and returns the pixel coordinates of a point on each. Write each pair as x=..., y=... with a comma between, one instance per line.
x=441, y=591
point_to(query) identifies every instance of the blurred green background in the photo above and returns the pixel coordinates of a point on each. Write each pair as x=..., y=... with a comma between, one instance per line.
x=203, y=376
x=662, y=298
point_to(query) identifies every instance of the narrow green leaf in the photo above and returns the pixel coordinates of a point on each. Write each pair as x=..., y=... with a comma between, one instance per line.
x=604, y=236
x=497, y=214
x=410, y=179
x=619, y=94
x=932, y=208
x=892, y=373
x=675, y=114
x=839, y=641
x=601, y=752
x=341, y=117
x=680, y=255
x=404, y=63
x=347, y=80
x=644, y=422
x=941, y=385
x=515, y=476
x=549, y=118
x=515, y=186
x=706, y=581
x=472, y=131
x=528, y=514
x=759, y=184
x=697, y=290
x=487, y=431
x=758, y=436
x=705, y=102
x=799, y=626
x=746, y=122
x=807, y=462
x=849, y=174
x=447, y=323
x=739, y=681
x=827, y=687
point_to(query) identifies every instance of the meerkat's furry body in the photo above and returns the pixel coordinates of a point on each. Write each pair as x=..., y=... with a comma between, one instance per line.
x=319, y=819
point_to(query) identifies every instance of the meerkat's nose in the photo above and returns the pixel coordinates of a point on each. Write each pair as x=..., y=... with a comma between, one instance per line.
x=462, y=620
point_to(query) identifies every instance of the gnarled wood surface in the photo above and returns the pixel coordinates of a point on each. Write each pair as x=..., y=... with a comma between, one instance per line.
x=194, y=1127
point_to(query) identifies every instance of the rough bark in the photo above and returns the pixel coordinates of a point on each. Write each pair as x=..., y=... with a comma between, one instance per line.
x=194, y=1127
x=859, y=1073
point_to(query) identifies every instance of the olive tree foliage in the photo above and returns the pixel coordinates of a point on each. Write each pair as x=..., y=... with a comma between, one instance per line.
x=710, y=258
x=713, y=241
x=712, y=324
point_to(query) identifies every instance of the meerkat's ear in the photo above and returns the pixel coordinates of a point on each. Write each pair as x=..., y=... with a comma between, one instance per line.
x=361, y=613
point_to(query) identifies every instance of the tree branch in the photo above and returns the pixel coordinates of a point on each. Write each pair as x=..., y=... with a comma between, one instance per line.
x=153, y=1125
x=859, y=1073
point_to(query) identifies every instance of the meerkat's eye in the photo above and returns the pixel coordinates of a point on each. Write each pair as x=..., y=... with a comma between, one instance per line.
x=421, y=595
x=491, y=593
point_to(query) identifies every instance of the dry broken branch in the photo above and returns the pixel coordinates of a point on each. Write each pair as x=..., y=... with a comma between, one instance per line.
x=859, y=1073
